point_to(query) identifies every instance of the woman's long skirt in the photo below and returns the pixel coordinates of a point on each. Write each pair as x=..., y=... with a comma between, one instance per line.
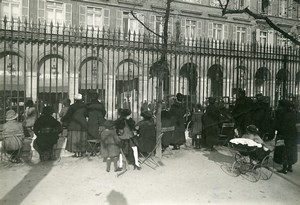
x=77, y=141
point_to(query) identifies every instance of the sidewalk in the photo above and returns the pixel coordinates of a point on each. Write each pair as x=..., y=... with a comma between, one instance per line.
x=188, y=177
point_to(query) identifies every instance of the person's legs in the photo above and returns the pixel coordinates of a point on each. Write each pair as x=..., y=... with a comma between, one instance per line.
x=108, y=163
x=136, y=159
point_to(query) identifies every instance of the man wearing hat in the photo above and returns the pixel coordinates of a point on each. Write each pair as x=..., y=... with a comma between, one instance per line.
x=77, y=127
x=13, y=136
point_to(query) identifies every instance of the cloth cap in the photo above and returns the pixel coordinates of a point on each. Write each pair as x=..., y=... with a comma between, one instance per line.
x=11, y=115
x=78, y=96
x=124, y=112
x=179, y=96
x=48, y=110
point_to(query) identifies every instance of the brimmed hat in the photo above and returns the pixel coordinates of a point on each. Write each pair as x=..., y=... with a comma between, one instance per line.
x=124, y=112
x=11, y=115
x=211, y=100
x=108, y=124
x=78, y=96
x=146, y=115
x=252, y=129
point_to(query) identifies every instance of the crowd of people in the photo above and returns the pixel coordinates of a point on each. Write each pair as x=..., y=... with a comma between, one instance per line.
x=123, y=140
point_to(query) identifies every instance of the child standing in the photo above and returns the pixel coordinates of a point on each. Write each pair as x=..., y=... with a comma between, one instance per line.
x=110, y=149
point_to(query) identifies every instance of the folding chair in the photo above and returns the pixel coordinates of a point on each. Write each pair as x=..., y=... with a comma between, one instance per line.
x=94, y=146
x=148, y=160
x=227, y=133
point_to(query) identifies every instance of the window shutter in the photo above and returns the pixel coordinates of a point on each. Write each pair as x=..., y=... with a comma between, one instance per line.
x=210, y=30
x=41, y=11
x=25, y=10
x=68, y=14
x=119, y=21
x=258, y=35
x=259, y=5
x=225, y=27
x=170, y=27
x=151, y=23
x=236, y=4
x=199, y=29
x=249, y=38
x=280, y=8
x=270, y=37
x=141, y=17
x=82, y=16
x=270, y=7
x=183, y=27
x=234, y=36
x=106, y=19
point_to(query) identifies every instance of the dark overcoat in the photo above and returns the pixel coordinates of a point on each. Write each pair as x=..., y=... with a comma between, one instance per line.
x=177, y=112
x=110, y=146
x=96, y=114
x=211, y=119
x=147, y=135
x=76, y=117
x=47, y=130
x=285, y=124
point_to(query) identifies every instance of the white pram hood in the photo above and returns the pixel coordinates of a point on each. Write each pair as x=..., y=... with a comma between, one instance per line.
x=245, y=141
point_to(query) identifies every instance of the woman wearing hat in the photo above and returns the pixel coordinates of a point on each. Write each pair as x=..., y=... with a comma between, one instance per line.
x=47, y=130
x=77, y=127
x=13, y=136
x=146, y=130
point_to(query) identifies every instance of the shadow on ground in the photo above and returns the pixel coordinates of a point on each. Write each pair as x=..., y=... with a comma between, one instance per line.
x=116, y=198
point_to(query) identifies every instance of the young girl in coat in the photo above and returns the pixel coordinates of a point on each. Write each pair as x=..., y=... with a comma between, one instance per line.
x=111, y=145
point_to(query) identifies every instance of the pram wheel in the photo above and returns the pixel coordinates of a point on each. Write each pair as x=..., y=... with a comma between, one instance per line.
x=266, y=168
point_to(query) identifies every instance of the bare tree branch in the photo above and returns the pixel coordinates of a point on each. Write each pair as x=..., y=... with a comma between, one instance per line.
x=146, y=27
x=262, y=17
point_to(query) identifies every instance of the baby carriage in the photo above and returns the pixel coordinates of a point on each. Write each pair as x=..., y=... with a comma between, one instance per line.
x=251, y=158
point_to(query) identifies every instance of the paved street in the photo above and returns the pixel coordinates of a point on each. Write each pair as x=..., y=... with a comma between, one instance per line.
x=187, y=177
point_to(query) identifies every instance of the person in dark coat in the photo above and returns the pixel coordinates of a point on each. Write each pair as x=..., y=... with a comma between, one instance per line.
x=47, y=130
x=125, y=128
x=177, y=112
x=211, y=120
x=166, y=122
x=197, y=126
x=110, y=145
x=77, y=127
x=285, y=124
x=261, y=115
x=242, y=112
x=147, y=134
x=96, y=114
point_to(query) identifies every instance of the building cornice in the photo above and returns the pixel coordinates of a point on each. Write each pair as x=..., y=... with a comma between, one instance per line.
x=153, y=6
x=217, y=16
x=241, y=19
x=129, y=3
x=198, y=13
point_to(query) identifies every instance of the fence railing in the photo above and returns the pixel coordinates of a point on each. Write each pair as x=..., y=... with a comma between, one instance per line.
x=48, y=65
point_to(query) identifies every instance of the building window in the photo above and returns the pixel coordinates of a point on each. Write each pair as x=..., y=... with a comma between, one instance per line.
x=130, y=24
x=158, y=23
x=190, y=29
x=11, y=8
x=217, y=31
x=241, y=34
x=263, y=37
x=281, y=41
x=55, y=12
x=94, y=18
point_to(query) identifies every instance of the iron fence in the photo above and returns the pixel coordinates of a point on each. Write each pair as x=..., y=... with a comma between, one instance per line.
x=49, y=63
